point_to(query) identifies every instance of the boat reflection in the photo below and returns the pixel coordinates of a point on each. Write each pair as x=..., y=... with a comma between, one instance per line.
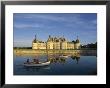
x=36, y=68
x=62, y=59
x=57, y=59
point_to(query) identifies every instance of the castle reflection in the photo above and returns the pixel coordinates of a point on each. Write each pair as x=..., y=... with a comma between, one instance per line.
x=76, y=58
x=60, y=59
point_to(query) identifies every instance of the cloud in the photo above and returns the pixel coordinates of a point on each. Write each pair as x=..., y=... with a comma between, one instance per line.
x=82, y=24
x=51, y=17
x=74, y=22
x=21, y=25
x=46, y=20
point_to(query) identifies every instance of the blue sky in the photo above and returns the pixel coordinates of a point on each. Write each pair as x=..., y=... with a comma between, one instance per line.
x=69, y=25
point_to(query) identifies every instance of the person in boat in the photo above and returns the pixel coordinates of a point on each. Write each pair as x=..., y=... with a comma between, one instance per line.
x=36, y=61
x=27, y=61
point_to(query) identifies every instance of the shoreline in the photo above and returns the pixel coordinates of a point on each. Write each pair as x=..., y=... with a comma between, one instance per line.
x=33, y=51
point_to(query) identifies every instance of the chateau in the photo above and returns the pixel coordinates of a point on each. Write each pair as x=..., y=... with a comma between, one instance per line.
x=55, y=43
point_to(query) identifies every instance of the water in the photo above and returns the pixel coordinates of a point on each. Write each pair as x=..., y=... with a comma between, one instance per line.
x=73, y=65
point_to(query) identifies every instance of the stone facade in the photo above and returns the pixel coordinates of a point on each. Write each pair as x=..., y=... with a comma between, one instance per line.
x=55, y=43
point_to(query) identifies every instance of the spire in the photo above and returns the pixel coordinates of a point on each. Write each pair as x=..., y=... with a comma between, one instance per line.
x=35, y=36
x=49, y=39
x=34, y=39
x=77, y=40
x=77, y=37
x=49, y=36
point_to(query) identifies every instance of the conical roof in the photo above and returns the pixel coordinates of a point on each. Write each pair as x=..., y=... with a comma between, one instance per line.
x=77, y=40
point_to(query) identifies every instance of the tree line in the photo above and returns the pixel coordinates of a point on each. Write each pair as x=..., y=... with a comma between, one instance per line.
x=90, y=46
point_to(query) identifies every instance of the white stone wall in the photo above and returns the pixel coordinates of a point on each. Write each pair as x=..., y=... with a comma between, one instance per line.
x=70, y=46
x=64, y=45
x=39, y=46
x=77, y=46
x=49, y=45
x=55, y=45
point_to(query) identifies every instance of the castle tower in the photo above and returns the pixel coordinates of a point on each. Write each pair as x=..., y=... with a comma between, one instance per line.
x=34, y=41
x=63, y=43
x=49, y=44
x=77, y=43
x=34, y=45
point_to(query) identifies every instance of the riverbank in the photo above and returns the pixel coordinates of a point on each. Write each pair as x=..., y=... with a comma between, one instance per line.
x=32, y=51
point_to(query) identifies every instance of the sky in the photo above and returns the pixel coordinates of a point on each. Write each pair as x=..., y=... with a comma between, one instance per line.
x=69, y=25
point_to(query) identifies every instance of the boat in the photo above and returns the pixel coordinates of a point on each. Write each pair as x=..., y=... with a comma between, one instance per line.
x=35, y=64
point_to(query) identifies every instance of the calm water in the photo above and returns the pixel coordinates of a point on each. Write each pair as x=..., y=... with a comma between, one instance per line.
x=73, y=65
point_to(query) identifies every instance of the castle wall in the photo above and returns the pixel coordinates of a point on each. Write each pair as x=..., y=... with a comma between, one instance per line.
x=64, y=45
x=34, y=46
x=77, y=46
x=70, y=46
x=50, y=45
x=39, y=46
x=57, y=45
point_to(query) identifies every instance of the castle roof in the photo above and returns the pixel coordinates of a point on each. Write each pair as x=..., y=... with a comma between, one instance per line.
x=77, y=40
x=36, y=40
x=56, y=39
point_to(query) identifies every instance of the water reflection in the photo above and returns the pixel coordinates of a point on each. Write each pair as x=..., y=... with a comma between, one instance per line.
x=62, y=59
x=77, y=57
x=34, y=69
x=53, y=59
x=58, y=59
x=60, y=64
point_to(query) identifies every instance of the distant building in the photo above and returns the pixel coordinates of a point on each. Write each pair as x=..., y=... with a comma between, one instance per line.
x=55, y=43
